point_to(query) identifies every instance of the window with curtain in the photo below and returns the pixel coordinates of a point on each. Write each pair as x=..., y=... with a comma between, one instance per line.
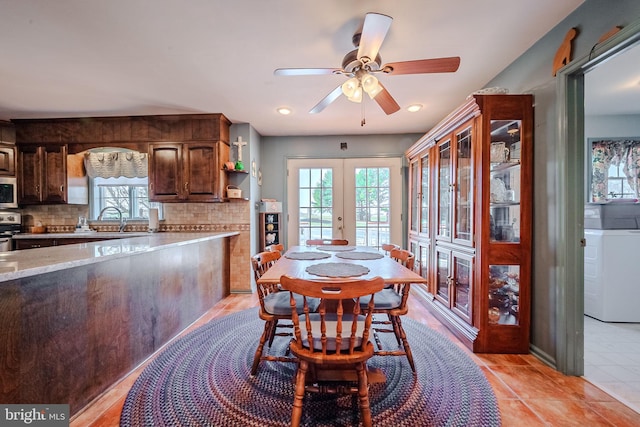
x=119, y=179
x=615, y=169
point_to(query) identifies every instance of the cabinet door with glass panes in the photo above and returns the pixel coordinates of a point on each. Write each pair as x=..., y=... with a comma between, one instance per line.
x=420, y=233
x=422, y=253
x=454, y=281
x=506, y=268
x=455, y=169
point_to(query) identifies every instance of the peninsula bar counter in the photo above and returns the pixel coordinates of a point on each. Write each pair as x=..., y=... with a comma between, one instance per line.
x=75, y=319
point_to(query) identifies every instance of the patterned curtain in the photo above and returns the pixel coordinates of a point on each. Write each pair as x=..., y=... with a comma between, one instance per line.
x=606, y=153
x=632, y=165
x=129, y=164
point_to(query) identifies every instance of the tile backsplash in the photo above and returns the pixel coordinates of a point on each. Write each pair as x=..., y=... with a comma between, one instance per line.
x=177, y=217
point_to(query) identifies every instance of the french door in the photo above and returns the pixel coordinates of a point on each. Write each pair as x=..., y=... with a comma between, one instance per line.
x=355, y=199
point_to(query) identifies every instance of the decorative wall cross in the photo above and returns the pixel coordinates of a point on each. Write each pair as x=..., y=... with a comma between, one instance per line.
x=239, y=144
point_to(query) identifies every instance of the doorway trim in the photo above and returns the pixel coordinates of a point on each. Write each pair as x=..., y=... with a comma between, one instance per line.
x=570, y=198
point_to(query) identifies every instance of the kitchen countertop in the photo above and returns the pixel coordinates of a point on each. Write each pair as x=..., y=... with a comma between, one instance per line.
x=31, y=262
x=83, y=235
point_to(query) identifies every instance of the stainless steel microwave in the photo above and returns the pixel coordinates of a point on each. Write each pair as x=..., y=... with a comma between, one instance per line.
x=8, y=192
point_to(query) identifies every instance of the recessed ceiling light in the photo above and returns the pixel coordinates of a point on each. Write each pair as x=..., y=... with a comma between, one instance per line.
x=414, y=107
x=284, y=111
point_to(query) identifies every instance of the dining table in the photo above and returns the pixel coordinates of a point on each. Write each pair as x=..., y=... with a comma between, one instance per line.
x=297, y=261
x=365, y=262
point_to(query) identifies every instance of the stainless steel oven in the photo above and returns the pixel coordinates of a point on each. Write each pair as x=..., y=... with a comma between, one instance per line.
x=9, y=225
x=8, y=192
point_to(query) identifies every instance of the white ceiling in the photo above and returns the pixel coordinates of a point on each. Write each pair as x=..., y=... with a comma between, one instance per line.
x=72, y=58
x=613, y=87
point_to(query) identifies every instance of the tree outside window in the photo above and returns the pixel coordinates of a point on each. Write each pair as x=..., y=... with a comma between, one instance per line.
x=615, y=169
x=129, y=195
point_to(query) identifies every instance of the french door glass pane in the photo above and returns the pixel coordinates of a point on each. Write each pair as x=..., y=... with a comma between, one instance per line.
x=372, y=206
x=315, y=189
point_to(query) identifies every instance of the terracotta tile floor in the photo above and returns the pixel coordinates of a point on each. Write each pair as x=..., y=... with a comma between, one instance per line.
x=529, y=392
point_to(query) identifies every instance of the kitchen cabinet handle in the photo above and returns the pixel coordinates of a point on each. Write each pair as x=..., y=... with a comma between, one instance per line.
x=62, y=188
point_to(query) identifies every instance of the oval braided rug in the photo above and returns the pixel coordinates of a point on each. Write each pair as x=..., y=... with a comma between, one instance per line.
x=203, y=379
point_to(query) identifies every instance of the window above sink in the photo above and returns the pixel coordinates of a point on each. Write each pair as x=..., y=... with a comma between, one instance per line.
x=118, y=178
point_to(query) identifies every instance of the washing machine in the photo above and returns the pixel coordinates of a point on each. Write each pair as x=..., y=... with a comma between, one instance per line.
x=612, y=275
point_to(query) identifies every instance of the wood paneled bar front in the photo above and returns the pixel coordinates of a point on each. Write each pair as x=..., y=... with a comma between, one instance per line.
x=75, y=319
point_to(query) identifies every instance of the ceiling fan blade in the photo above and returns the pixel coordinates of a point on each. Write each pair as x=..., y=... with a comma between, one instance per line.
x=420, y=66
x=333, y=95
x=374, y=30
x=386, y=101
x=306, y=71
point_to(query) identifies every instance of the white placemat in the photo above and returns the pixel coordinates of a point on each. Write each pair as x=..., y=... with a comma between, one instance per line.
x=307, y=255
x=360, y=255
x=337, y=269
x=336, y=248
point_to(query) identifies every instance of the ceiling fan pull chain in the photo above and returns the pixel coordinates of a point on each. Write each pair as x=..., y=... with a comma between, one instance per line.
x=363, y=121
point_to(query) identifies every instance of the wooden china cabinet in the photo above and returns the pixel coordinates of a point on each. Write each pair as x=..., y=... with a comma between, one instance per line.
x=470, y=220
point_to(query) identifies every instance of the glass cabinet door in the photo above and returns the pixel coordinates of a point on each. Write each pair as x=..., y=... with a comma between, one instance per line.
x=504, y=294
x=414, y=167
x=462, y=285
x=505, y=181
x=424, y=195
x=422, y=258
x=443, y=274
x=444, y=189
x=463, y=220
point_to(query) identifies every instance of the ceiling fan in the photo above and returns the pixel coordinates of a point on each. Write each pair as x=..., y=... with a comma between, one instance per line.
x=361, y=64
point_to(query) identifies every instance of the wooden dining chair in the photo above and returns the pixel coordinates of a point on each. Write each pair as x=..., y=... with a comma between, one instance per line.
x=392, y=302
x=335, y=339
x=387, y=247
x=321, y=242
x=275, y=247
x=274, y=309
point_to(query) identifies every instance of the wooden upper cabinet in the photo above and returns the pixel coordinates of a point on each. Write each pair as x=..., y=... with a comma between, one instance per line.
x=186, y=172
x=165, y=172
x=200, y=171
x=30, y=174
x=42, y=177
x=7, y=159
x=55, y=174
x=186, y=153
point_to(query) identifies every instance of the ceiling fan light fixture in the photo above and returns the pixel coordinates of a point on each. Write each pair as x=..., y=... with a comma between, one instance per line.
x=414, y=108
x=350, y=87
x=356, y=96
x=371, y=85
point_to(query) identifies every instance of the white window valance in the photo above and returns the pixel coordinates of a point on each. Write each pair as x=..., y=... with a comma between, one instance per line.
x=116, y=164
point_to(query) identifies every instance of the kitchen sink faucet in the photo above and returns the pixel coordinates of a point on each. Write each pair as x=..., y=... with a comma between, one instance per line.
x=123, y=221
